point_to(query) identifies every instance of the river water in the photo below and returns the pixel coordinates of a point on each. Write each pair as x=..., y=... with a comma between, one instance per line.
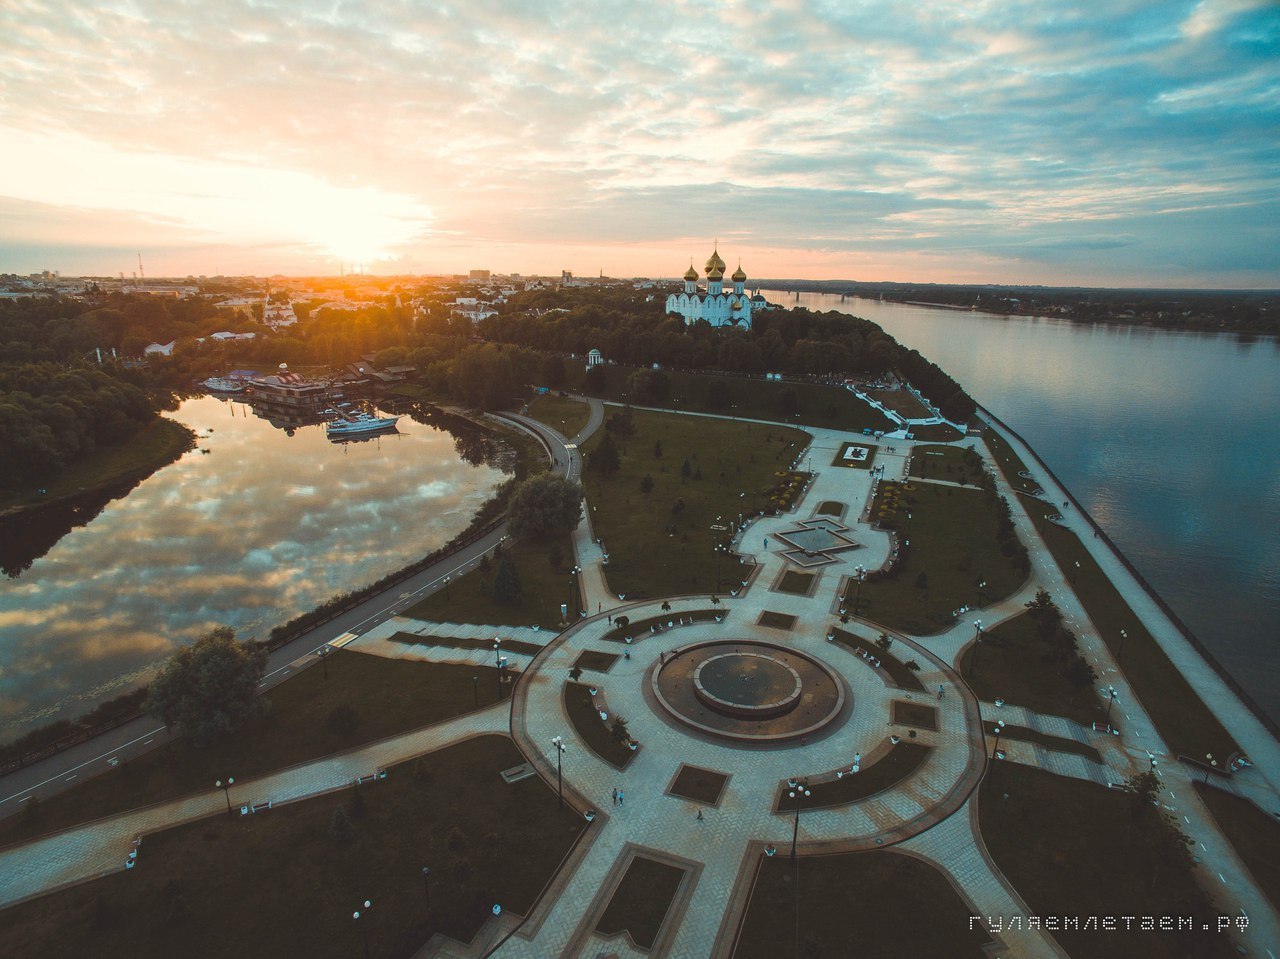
x=1170, y=440
x=253, y=527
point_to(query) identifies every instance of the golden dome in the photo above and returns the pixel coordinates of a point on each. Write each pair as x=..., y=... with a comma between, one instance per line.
x=715, y=264
x=716, y=273
x=738, y=275
x=737, y=305
x=691, y=273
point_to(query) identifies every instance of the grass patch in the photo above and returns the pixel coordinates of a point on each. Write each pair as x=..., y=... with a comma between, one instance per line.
x=830, y=507
x=859, y=464
x=793, y=581
x=954, y=464
x=914, y=714
x=863, y=903
x=698, y=784
x=776, y=620
x=1254, y=834
x=1182, y=718
x=566, y=416
x=1009, y=462
x=1057, y=743
x=935, y=433
x=278, y=884
x=902, y=402
x=897, y=764
x=456, y=642
x=586, y=720
x=156, y=444
x=1022, y=665
x=641, y=901
x=903, y=677
x=365, y=698
x=595, y=661
x=544, y=579
x=950, y=541
x=637, y=629
x=661, y=543
x=1074, y=848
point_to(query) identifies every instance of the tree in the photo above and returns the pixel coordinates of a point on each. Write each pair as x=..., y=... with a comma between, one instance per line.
x=544, y=506
x=619, y=730
x=648, y=386
x=686, y=470
x=506, y=583
x=646, y=484
x=576, y=673
x=657, y=449
x=340, y=827
x=718, y=395
x=884, y=642
x=604, y=459
x=211, y=688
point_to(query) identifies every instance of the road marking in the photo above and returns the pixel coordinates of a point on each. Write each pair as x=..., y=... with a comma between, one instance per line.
x=25, y=798
x=69, y=778
x=87, y=762
x=1224, y=882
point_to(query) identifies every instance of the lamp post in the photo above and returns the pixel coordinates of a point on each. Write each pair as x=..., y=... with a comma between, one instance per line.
x=364, y=928
x=720, y=549
x=573, y=583
x=497, y=653
x=995, y=750
x=446, y=582
x=1213, y=763
x=226, y=790
x=800, y=792
x=977, y=646
x=859, y=574
x=982, y=584
x=1110, y=693
x=1076, y=575
x=323, y=653
x=426, y=885
x=558, y=743
x=475, y=690
x=1120, y=651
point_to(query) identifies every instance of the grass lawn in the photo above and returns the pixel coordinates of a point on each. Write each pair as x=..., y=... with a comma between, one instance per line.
x=457, y=642
x=595, y=660
x=902, y=402
x=816, y=404
x=1009, y=462
x=776, y=620
x=156, y=444
x=953, y=542
x=1254, y=834
x=1057, y=743
x=914, y=714
x=936, y=433
x=638, y=628
x=895, y=668
x=661, y=543
x=1015, y=664
x=1074, y=848
x=869, y=456
x=698, y=784
x=641, y=901
x=901, y=761
x=278, y=884
x=1182, y=718
x=793, y=581
x=544, y=584
x=566, y=416
x=860, y=903
x=586, y=720
x=388, y=696
x=955, y=464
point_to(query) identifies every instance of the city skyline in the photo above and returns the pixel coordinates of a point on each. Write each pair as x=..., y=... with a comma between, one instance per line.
x=1128, y=144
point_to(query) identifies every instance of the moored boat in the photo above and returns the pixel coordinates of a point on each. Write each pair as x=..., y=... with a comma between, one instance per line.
x=361, y=424
x=220, y=384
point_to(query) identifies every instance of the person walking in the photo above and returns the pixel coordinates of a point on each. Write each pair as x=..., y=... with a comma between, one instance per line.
x=615, y=796
x=621, y=797
x=700, y=816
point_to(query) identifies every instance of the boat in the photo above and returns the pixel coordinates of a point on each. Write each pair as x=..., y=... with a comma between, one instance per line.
x=220, y=384
x=360, y=424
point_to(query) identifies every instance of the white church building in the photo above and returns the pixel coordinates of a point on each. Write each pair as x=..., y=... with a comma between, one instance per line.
x=713, y=303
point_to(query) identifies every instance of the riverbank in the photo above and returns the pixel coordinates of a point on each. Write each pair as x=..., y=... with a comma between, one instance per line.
x=156, y=445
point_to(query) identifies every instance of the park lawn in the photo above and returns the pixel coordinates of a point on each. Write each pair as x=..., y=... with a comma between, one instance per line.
x=1073, y=848
x=1009, y=462
x=566, y=416
x=898, y=671
x=1057, y=743
x=1185, y=723
x=156, y=444
x=952, y=534
x=389, y=696
x=641, y=901
x=900, y=762
x=586, y=720
x=279, y=884
x=1254, y=835
x=658, y=548
x=794, y=581
x=953, y=464
x=544, y=588
x=902, y=402
x=863, y=464
x=1015, y=665
x=466, y=642
x=876, y=903
x=815, y=404
x=935, y=433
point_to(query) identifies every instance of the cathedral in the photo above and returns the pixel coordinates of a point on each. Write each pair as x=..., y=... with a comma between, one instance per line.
x=713, y=303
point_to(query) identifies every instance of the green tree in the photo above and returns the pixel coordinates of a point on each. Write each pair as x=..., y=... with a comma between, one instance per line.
x=544, y=506
x=506, y=583
x=648, y=386
x=646, y=484
x=211, y=688
x=884, y=642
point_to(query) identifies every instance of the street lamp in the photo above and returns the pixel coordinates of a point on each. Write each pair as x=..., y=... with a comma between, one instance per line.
x=475, y=690
x=426, y=885
x=323, y=653
x=800, y=792
x=1120, y=652
x=720, y=550
x=446, y=582
x=859, y=574
x=364, y=928
x=1213, y=763
x=977, y=646
x=497, y=654
x=573, y=583
x=558, y=743
x=1110, y=693
x=982, y=584
x=226, y=790
x=995, y=750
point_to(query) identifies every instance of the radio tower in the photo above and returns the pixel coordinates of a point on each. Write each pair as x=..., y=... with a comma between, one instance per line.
x=142, y=277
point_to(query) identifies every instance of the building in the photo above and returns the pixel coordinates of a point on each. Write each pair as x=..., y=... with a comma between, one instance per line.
x=713, y=303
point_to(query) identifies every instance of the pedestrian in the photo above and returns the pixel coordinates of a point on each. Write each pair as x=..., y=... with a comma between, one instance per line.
x=700, y=818
x=615, y=795
x=611, y=619
x=939, y=690
x=621, y=797
x=626, y=654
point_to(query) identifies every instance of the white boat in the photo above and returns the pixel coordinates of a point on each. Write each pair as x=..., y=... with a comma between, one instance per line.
x=220, y=384
x=360, y=424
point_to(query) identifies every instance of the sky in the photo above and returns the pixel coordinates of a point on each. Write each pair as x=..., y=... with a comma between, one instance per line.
x=1096, y=142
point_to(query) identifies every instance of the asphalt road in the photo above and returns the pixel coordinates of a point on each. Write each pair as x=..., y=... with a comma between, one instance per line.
x=98, y=755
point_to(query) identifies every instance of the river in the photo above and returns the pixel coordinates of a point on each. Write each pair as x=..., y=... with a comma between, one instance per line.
x=1170, y=440
x=251, y=528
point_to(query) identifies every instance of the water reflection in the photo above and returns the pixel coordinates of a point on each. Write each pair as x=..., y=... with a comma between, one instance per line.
x=258, y=528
